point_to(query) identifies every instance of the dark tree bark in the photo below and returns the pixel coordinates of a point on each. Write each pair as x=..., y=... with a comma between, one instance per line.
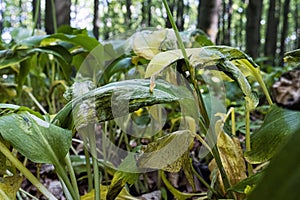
x=253, y=13
x=128, y=13
x=284, y=31
x=297, y=25
x=272, y=31
x=179, y=16
x=171, y=6
x=36, y=8
x=62, y=10
x=2, y=17
x=146, y=13
x=227, y=38
x=95, y=19
x=207, y=19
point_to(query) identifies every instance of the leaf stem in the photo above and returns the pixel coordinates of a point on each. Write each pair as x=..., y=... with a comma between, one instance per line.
x=5, y=151
x=72, y=174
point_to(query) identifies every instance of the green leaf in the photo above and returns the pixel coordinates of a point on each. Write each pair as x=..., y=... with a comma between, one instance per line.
x=281, y=179
x=167, y=152
x=130, y=95
x=36, y=139
x=83, y=40
x=22, y=75
x=278, y=125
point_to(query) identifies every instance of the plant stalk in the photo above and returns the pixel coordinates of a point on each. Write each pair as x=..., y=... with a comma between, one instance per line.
x=5, y=151
x=201, y=104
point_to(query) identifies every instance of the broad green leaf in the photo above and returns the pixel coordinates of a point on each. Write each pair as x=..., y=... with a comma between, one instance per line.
x=147, y=43
x=36, y=139
x=32, y=41
x=281, y=178
x=9, y=186
x=292, y=56
x=277, y=127
x=167, y=152
x=129, y=96
x=85, y=41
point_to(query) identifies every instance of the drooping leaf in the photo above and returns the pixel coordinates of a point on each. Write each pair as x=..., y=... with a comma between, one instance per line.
x=147, y=43
x=119, y=99
x=203, y=57
x=36, y=139
x=277, y=127
x=282, y=177
x=168, y=152
x=231, y=156
x=233, y=62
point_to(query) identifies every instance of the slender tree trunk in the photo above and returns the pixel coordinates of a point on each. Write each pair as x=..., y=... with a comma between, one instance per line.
x=297, y=25
x=128, y=13
x=227, y=40
x=38, y=24
x=272, y=31
x=95, y=19
x=2, y=17
x=62, y=10
x=179, y=16
x=284, y=31
x=208, y=12
x=171, y=6
x=145, y=13
x=253, y=13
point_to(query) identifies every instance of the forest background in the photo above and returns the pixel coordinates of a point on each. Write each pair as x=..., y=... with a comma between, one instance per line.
x=265, y=29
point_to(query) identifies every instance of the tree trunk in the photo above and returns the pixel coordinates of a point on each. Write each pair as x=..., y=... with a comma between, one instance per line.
x=1, y=17
x=207, y=19
x=35, y=9
x=95, y=19
x=284, y=31
x=253, y=13
x=297, y=25
x=128, y=13
x=171, y=6
x=146, y=13
x=62, y=16
x=272, y=31
x=179, y=16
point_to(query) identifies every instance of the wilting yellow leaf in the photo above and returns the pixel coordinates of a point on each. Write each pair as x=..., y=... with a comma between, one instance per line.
x=149, y=43
x=231, y=156
x=9, y=186
x=124, y=194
